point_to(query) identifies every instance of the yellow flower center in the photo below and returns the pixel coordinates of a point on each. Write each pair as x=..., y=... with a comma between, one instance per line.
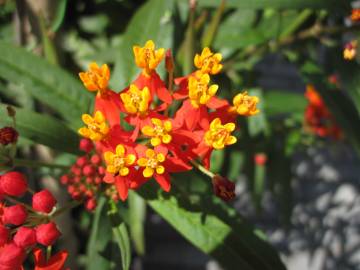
x=96, y=78
x=199, y=90
x=218, y=135
x=152, y=163
x=118, y=162
x=96, y=129
x=135, y=100
x=159, y=132
x=147, y=57
x=208, y=62
x=245, y=104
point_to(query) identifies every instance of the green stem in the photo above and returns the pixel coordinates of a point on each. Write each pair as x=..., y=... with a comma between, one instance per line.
x=68, y=206
x=36, y=164
x=48, y=253
x=202, y=169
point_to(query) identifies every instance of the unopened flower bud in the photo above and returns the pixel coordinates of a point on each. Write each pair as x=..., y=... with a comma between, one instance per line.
x=90, y=204
x=25, y=237
x=86, y=145
x=88, y=170
x=223, y=188
x=8, y=135
x=260, y=159
x=81, y=161
x=169, y=61
x=11, y=111
x=95, y=159
x=43, y=201
x=13, y=184
x=15, y=215
x=47, y=234
x=11, y=257
x=4, y=235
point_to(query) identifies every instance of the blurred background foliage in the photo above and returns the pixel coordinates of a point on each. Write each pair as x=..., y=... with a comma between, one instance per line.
x=44, y=44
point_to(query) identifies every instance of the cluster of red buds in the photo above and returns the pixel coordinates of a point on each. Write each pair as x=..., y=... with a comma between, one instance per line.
x=318, y=118
x=26, y=228
x=141, y=134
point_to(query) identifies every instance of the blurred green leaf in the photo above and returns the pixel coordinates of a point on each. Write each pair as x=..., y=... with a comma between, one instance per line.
x=59, y=16
x=210, y=33
x=49, y=84
x=284, y=102
x=278, y=4
x=137, y=214
x=213, y=227
x=257, y=124
x=121, y=234
x=42, y=129
x=151, y=21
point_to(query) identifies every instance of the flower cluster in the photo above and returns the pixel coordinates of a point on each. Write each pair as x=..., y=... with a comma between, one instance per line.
x=355, y=15
x=139, y=133
x=25, y=228
x=318, y=118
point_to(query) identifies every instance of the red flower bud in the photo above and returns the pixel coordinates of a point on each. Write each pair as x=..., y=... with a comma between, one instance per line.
x=25, y=237
x=13, y=184
x=88, y=170
x=65, y=179
x=95, y=159
x=47, y=234
x=81, y=161
x=260, y=159
x=4, y=235
x=90, y=204
x=15, y=215
x=11, y=257
x=86, y=145
x=43, y=201
x=223, y=188
x=8, y=135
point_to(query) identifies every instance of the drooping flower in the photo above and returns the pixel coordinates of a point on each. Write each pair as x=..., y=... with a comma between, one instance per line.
x=223, y=188
x=218, y=135
x=96, y=78
x=97, y=128
x=245, y=105
x=55, y=262
x=147, y=57
x=208, y=62
x=159, y=131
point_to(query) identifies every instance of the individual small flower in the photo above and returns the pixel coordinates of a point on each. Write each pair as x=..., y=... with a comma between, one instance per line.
x=47, y=234
x=43, y=201
x=355, y=14
x=136, y=100
x=97, y=128
x=86, y=145
x=350, y=49
x=208, y=62
x=147, y=57
x=218, y=135
x=4, y=235
x=14, y=215
x=152, y=163
x=13, y=184
x=11, y=257
x=159, y=132
x=25, y=237
x=8, y=135
x=245, y=105
x=96, y=78
x=55, y=262
x=223, y=188
x=200, y=92
x=118, y=162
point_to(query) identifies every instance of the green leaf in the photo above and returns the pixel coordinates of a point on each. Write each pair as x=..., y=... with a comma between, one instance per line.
x=151, y=21
x=257, y=124
x=121, y=234
x=49, y=84
x=137, y=214
x=42, y=129
x=279, y=4
x=212, y=226
x=59, y=16
x=284, y=102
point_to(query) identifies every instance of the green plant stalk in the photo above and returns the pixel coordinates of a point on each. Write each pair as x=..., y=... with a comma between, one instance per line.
x=48, y=44
x=189, y=43
x=37, y=164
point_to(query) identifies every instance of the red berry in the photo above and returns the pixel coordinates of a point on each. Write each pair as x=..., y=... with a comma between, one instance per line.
x=65, y=179
x=47, y=234
x=11, y=257
x=86, y=145
x=95, y=159
x=90, y=204
x=98, y=180
x=260, y=159
x=15, y=215
x=43, y=201
x=76, y=170
x=25, y=237
x=101, y=170
x=13, y=184
x=4, y=235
